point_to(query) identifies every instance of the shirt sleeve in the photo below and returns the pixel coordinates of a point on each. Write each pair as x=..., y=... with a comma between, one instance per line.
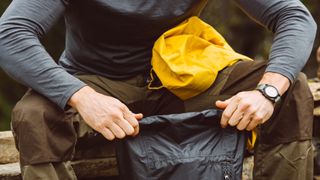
x=24, y=58
x=294, y=32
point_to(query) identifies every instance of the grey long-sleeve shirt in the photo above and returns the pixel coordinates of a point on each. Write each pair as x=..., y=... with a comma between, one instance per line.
x=114, y=38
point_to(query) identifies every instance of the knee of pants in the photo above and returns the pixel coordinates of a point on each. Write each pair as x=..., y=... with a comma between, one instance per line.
x=301, y=83
x=32, y=112
x=301, y=94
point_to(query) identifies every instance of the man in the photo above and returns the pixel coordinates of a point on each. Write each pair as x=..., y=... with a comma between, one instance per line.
x=104, y=68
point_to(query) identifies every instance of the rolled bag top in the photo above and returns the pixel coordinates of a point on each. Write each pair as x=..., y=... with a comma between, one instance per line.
x=188, y=57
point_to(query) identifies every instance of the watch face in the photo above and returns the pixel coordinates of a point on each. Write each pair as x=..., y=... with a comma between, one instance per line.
x=270, y=91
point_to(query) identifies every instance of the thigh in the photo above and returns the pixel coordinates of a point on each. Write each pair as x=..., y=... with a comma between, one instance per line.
x=292, y=161
x=242, y=76
x=129, y=91
x=41, y=132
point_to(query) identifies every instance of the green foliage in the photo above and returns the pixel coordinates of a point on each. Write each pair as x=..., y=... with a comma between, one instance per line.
x=244, y=35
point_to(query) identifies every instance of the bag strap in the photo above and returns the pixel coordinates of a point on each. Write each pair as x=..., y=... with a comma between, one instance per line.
x=152, y=80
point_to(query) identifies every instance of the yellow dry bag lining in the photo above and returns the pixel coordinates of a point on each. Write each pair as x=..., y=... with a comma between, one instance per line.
x=188, y=57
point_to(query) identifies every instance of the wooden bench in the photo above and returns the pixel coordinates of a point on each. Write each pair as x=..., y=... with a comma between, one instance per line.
x=104, y=163
x=104, y=166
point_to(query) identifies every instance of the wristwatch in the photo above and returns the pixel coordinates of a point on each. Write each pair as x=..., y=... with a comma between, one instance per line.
x=270, y=92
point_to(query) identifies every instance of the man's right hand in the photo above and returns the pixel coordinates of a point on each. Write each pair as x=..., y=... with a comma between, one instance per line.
x=105, y=114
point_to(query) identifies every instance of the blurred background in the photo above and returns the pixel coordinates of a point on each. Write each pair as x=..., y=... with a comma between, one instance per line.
x=241, y=32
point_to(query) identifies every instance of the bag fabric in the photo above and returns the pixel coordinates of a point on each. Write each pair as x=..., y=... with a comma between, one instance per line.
x=182, y=146
x=188, y=57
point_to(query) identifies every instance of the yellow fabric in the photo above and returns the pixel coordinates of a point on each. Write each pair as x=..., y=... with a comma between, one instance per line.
x=252, y=140
x=188, y=57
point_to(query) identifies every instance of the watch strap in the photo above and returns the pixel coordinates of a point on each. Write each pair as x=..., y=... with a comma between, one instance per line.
x=262, y=88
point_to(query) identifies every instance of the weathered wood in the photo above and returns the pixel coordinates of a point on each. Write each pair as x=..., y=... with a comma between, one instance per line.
x=95, y=168
x=89, y=168
x=10, y=171
x=315, y=89
x=8, y=151
x=247, y=171
x=104, y=167
x=316, y=111
x=314, y=85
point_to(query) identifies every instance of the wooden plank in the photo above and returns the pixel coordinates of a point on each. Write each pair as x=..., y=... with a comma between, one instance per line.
x=90, y=168
x=9, y=153
x=10, y=171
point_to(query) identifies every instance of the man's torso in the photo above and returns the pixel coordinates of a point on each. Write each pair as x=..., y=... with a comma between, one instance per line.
x=115, y=38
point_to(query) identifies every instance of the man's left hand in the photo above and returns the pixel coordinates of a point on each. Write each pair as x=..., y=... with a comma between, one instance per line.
x=245, y=110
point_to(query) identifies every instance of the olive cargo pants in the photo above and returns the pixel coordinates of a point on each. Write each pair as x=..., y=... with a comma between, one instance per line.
x=46, y=136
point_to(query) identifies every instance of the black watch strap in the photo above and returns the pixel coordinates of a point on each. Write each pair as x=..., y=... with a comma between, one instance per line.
x=270, y=92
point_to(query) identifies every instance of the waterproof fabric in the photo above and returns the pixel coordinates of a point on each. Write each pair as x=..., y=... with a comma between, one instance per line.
x=182, y=146
x=188, y=57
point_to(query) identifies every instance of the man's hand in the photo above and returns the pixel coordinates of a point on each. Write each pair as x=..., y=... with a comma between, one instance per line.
x=245, y=110
x=105, y=114
x=248, y=109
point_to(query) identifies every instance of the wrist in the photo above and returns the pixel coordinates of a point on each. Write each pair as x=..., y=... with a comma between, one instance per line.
x=79, y=95
x=280, y=82
x=269, y=92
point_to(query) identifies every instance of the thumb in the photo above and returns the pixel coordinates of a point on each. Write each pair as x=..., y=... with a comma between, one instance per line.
x=138, y=116
x=223, y=104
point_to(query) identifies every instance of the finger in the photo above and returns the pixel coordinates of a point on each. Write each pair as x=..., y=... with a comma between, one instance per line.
x=239, y=113
x=138, y=116
x=260, y=116
x=223, y=104
x=227, y=113
x=107, y=134
x=129, y=116
x=256, y=120
x=244, y=121
x=117, y=131
x=236, y=117
x=125, y=126
x=136, y=131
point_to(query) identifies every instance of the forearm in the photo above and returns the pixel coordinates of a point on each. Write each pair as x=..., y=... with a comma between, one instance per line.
x=24, y=58
x=294, y=30
x=34, y=68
